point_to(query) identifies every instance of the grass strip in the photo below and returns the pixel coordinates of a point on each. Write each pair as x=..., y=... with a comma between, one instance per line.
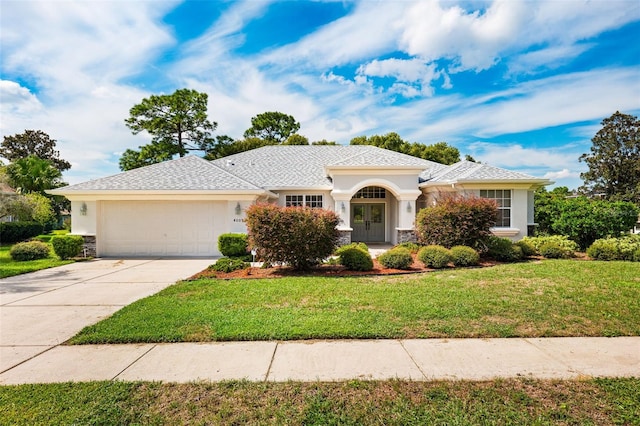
x=522, y=402
x=534, y=299
x=9, y=267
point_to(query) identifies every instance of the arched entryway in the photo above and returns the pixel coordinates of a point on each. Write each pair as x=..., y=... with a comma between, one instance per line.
x=369, y=214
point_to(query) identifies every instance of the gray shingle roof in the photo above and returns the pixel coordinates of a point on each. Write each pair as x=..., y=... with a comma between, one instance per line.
x=186, y=173
x=296, y=166
x=467, y=171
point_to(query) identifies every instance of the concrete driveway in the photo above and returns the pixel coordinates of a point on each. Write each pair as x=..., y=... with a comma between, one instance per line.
x=43, y=309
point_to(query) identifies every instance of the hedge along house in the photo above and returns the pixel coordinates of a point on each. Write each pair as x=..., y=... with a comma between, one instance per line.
x=180, y=207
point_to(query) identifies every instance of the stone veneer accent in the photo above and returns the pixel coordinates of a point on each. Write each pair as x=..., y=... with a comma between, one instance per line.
x=89, y=247
x=344, y=238
x=406, y=235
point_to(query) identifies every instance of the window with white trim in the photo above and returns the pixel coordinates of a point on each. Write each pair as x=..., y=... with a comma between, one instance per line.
x=313, y=201
x=503, y=198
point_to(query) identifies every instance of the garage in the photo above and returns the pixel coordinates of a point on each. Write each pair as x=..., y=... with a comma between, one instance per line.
x=160, y=228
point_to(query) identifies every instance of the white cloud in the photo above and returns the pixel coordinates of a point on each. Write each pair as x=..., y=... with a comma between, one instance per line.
x=17, y=99
x=561, y=174
x=476, y=39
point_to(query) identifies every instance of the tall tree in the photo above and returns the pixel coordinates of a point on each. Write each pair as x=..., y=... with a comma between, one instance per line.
x=440, y=152
x=33, y=142
x=178, y=123
x=272, y=126
x=33, y=174
x=614, y=160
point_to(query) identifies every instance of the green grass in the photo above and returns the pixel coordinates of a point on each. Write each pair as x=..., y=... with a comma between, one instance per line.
x=521, y=402
x=9, y=268
x=547, y=298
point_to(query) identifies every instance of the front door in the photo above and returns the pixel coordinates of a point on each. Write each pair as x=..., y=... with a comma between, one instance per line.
x=367, y=221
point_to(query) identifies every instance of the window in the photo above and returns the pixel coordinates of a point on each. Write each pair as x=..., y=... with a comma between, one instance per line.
x=371, y=192
x=503, y=198
x=313, y=201
x=294, y=200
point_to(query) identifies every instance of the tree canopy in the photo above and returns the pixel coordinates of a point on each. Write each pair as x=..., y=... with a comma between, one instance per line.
x=33, y=142
x=33, y=174
x=177, y=123
x=272, y=126
x=614, y=160
x=440, y=152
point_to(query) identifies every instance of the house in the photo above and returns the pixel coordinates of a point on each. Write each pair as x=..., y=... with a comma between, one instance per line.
x=180, y=207
x=6, y=192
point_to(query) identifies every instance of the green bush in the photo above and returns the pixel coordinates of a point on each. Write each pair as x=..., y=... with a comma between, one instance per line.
x=528, y=249
x=12, y=232
x=636, y=256
x=434, y=256
x=464, y=256
x=360, y=246
x=397, y=258
x=66, y=246
x=551, y=250
x=623, y=248
x=503, y=249
x=412, y=247
x=31, y=250
x=356, y=259
x=568, y=246
x=233, y=245
x=584, y=220
x=227, y=264
x=456, y=221
x=298, y=236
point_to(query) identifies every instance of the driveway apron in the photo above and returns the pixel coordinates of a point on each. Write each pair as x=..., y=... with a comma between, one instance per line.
x=43, y=309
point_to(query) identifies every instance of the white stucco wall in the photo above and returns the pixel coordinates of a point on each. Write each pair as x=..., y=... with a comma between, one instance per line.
x=84, y=224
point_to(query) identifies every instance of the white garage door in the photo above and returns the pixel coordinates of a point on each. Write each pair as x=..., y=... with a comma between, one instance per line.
x=160, y=228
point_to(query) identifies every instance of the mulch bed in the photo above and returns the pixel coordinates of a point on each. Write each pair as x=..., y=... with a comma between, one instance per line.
x=319, y=271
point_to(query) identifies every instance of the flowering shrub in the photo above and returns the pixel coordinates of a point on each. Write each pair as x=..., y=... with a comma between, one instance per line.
x=298, y=236
x=456, y=221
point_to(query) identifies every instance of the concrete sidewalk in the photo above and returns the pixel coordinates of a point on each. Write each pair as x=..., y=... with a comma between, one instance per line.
x=451, y=359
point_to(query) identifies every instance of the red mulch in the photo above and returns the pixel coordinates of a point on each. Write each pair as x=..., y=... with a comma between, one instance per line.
x=319, y=271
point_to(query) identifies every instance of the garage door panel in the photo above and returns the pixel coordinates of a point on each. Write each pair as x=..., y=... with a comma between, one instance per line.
x=160, y=228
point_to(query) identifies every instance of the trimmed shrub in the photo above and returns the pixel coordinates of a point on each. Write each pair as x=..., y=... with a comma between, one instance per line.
x=397, y=258
x=67, y=246
x=31, y=250
x=569, y=247
x=412, y=247
x=356, y=259
x=503, y=249
x=464, y=256
x=623, y=248
x=434, y=256
x=527, y=248
x=552, y=250
x=456, y=221
x=227, y=264
x=636, y=256
x=233, y=245
x=298, y=236
x=12, y=232
x=359, y=246
x=604, y=249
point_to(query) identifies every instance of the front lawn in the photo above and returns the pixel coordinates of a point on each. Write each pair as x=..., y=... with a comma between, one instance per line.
x=9, y=267
x=395, y=402
x=533, y=299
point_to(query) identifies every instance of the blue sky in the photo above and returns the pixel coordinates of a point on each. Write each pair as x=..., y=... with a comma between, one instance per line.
x=522, y=85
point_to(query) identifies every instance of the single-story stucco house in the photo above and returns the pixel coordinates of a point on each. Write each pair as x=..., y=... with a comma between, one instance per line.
x=180, y=207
